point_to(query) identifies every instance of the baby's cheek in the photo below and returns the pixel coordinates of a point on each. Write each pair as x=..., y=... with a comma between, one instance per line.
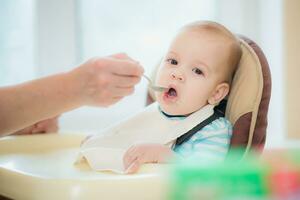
x=196, y=104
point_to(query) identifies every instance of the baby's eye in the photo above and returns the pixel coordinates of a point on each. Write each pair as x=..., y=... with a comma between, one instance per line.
x=197, y=71
x=172, y=61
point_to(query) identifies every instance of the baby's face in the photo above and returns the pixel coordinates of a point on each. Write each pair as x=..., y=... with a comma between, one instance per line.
x=191, y=70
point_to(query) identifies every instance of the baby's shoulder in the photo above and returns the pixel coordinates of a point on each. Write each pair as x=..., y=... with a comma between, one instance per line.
x=218, y=124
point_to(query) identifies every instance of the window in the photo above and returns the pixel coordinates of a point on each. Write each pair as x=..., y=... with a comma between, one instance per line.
x=16, y=41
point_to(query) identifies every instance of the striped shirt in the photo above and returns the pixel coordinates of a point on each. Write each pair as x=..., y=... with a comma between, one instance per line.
x=211, y=143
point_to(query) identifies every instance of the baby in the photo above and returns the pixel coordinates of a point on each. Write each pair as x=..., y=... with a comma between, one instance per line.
x=197, y=70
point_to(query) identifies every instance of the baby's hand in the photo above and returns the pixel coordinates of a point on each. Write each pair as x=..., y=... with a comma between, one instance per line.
x=45, y=126
x=145, y=153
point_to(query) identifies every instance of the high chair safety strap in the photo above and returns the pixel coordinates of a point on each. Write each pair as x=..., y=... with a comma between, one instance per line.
x=217, y=114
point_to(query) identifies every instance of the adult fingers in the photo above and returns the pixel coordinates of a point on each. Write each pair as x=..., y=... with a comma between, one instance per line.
x=123, y=81
x=115, y=99
x=124, y=67
x=25, y=131
x=110, y=101
x=46, y=126
x=122, y=56
x=121, y=92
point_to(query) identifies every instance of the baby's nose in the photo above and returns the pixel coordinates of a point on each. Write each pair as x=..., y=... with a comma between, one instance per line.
x=177, y=76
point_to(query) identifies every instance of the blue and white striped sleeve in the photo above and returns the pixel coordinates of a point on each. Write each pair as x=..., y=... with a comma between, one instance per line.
x=211, y=143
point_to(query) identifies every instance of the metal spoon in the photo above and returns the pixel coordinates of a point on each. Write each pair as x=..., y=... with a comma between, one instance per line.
x=154, y=87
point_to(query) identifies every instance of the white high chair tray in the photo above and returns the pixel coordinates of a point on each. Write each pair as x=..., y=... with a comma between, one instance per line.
x=42, y=167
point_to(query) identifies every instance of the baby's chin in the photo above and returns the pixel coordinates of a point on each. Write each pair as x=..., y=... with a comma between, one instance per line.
x=173, y=110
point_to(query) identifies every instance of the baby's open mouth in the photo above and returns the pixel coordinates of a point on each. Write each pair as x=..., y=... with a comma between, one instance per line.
x=172, y=92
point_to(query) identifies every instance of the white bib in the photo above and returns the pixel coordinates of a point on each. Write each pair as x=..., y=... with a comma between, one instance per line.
x=106, y=151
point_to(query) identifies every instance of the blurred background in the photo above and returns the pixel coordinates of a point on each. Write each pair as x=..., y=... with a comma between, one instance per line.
x=42, y=37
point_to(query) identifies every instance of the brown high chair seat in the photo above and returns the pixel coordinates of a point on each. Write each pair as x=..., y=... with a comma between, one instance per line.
x=248, y=101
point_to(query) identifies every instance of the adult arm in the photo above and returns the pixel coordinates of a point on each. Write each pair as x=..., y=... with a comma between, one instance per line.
x=98, y=82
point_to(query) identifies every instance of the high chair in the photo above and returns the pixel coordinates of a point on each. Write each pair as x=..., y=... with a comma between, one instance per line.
x=247, y=104
x=42, y=166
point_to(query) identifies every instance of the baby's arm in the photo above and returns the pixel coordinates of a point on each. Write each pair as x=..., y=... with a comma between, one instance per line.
x=146, y=153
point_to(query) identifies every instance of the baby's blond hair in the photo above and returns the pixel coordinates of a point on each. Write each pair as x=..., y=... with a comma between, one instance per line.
x=234, y=43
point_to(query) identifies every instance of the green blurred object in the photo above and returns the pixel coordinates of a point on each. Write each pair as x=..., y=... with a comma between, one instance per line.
x=227, y=181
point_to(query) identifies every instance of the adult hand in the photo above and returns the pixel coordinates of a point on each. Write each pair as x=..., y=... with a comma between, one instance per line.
x=45, y=126
x=106, y=80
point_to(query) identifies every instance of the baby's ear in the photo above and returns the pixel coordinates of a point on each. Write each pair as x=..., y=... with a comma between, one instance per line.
x=219, y=93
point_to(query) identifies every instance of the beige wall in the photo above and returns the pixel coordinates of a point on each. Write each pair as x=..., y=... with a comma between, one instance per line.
x=291, y=65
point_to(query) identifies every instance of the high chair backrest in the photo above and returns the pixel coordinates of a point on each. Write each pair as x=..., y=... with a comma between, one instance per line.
x=248, y=102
